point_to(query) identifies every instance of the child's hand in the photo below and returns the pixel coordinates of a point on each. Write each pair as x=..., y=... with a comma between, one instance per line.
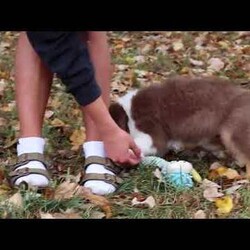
x=121, y=148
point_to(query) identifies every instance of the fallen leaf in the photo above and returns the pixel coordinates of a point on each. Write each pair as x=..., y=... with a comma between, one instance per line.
x=196, y=62
x=163, y=49
x=67, y=216
x=4, y=190
x=11, y=143
x=57, y=123
x=3, y=121
x=150, y=201
x=48, y=193
x=215, y=165
x=200, y=214
x=146, y=49
x=77, y=138
x=216, y=64
x=232, y=189
x=208, y=184
x=217, y=170
x=178, y=45
x=16, y=200
x=97, y=215
x=49, y=114
x=8, y=107
x=2, y=175
x=231, y=174
x=65, y=190
x=98, y=200
x=212, y=193
x=224, y=205
x=223, y=44
x=211, y=190
x=46, y=215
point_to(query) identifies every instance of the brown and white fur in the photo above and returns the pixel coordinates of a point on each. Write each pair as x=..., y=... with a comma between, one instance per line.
x=187, y=111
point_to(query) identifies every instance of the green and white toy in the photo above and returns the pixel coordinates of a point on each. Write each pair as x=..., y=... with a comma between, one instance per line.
x=179, y=173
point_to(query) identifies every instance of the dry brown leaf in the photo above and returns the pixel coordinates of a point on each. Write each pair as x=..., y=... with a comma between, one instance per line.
x=178, y=45
x=67, y=216
x=3, y=121
x=8, y=107
x=11, y=143
x=77, y=138
x=16, y=200
x=146, y=49
x=65, y=190
x=100, y=201
x=150, y=201
x=69, y=189
x=57, y=123
x=97, y=215
x=46, y=215
x=2, y=175
x=49, y=193
x=200, y=214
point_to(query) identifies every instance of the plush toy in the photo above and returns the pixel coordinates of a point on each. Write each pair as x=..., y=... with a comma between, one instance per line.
x=177, y=173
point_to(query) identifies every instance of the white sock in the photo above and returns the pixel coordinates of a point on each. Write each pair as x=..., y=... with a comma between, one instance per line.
x=32, y=145
x=96, y=148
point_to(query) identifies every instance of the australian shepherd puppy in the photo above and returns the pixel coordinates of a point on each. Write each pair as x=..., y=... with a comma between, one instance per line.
x=186, y=112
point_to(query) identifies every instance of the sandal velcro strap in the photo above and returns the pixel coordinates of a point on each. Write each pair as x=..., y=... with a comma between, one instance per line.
x=16, y=174
x=106, y=162
x=23, y=159
x=108, y=178
x=26, y=158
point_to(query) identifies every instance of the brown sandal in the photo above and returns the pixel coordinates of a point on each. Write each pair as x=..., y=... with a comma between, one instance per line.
x=23, y=159
x=108, y=178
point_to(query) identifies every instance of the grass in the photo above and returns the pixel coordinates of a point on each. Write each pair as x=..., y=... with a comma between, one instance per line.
x=170, y=203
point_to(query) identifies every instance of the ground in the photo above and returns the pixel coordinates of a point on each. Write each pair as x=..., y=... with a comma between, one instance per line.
x=139, y=58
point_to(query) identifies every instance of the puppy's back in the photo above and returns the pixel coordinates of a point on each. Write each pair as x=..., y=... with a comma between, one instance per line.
x=188, y=108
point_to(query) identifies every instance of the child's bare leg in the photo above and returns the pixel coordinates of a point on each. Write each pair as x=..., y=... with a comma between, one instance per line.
x=33, y=82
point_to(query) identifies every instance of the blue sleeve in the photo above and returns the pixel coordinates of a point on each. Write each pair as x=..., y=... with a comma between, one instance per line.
x=66, y=55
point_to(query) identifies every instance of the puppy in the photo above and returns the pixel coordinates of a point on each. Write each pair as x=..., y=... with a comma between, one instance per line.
x=187, y=112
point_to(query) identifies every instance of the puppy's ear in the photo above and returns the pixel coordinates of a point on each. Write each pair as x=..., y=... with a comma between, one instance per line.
x=119, y=116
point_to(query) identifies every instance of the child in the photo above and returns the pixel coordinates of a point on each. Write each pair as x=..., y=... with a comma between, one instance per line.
x=38, y=56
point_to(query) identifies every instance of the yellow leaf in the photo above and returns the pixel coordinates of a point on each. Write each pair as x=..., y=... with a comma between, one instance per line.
x=224, y=205
x=224, y=45
x=57, y=123
x=184, y=70
x=231, y=173
x=196, y=176
x=77, y=138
